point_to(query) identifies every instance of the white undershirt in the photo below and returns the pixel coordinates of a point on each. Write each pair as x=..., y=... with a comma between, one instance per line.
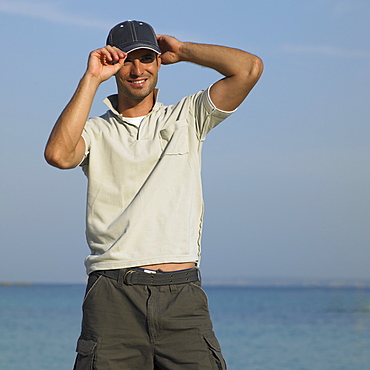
x=134, y=120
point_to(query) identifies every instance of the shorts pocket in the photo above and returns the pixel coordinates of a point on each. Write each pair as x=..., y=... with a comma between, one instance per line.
x=216, y=358
x=198, y=287
x=85, y=354
x=91, y=284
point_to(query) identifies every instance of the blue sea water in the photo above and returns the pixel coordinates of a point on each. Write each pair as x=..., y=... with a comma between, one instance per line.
x=260, y=328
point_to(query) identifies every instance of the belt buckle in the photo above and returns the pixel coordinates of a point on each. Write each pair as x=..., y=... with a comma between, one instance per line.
x=126, y=277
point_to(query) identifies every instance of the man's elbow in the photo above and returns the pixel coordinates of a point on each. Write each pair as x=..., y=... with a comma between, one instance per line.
x=255, y=70
x=56, y=159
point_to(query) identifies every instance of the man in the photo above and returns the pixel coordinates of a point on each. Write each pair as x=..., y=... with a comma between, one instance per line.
x=144, y=307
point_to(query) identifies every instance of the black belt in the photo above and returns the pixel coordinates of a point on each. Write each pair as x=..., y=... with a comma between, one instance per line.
x=135, y=276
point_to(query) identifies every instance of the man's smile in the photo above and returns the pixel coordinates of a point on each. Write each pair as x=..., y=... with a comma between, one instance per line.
x=139, y=82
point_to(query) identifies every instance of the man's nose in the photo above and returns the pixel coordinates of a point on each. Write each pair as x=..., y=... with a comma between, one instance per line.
x=136, y=68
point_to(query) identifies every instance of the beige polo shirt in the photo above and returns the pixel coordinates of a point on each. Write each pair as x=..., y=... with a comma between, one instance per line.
x=144, y=198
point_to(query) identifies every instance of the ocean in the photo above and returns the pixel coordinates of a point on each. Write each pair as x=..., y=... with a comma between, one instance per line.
x=259, y=328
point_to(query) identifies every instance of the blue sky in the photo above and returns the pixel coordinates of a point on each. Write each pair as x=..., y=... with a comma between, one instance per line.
x=286, y=178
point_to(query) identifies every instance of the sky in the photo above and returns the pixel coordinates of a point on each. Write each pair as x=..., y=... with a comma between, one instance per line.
x=286, y=178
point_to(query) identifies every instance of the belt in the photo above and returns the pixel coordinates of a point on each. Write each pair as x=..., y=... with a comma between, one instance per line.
x=133, y=276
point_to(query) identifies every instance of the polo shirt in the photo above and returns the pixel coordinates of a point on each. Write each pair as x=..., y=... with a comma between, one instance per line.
x=144, y=196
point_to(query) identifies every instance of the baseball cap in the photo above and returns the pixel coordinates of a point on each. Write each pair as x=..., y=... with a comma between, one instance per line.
x=132, y=35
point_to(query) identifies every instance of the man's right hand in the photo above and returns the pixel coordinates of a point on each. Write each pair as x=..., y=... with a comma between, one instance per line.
x=105, y=62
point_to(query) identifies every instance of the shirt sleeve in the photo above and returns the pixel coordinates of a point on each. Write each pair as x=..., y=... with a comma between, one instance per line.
x=207, y=114
x=85, y=136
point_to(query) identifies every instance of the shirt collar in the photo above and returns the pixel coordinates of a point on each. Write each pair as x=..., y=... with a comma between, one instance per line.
x=112, y=101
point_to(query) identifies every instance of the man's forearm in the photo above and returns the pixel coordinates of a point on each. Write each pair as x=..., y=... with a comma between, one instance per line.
x=241, y=70
x=65, y=147
x=225, y=60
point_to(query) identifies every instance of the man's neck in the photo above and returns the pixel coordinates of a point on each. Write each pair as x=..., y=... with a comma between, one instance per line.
x=135, y=108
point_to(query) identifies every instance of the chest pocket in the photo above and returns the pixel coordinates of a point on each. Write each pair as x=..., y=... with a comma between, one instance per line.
x=175, y=138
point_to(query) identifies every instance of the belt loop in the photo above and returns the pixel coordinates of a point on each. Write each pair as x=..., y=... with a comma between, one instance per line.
x=199, y=276
x=121, y=276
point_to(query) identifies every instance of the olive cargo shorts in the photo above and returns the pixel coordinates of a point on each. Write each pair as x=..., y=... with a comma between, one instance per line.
x=144, y=327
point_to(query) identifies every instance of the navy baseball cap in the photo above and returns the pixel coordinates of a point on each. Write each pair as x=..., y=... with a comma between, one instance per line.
x=133, y=35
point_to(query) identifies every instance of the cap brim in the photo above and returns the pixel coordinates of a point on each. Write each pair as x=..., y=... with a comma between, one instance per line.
x=129, y=49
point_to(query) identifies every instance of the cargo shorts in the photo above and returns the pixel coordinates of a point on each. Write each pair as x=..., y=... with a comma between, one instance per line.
x=146, y=327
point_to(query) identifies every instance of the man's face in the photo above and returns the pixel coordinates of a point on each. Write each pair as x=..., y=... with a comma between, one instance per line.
x=138, y=77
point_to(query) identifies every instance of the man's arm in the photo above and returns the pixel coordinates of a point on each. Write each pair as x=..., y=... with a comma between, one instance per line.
x=66, y=147
x=241, y=69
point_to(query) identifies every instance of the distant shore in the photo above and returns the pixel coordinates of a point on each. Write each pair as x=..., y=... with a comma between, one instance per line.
x=10, y=283
x=291, y=283
x=251, y=283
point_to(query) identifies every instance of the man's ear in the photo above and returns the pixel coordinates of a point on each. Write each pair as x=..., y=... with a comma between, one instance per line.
x=159, y=60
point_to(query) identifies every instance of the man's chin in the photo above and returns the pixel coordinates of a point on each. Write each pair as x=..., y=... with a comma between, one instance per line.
x=138, y=93
x=138, y=96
